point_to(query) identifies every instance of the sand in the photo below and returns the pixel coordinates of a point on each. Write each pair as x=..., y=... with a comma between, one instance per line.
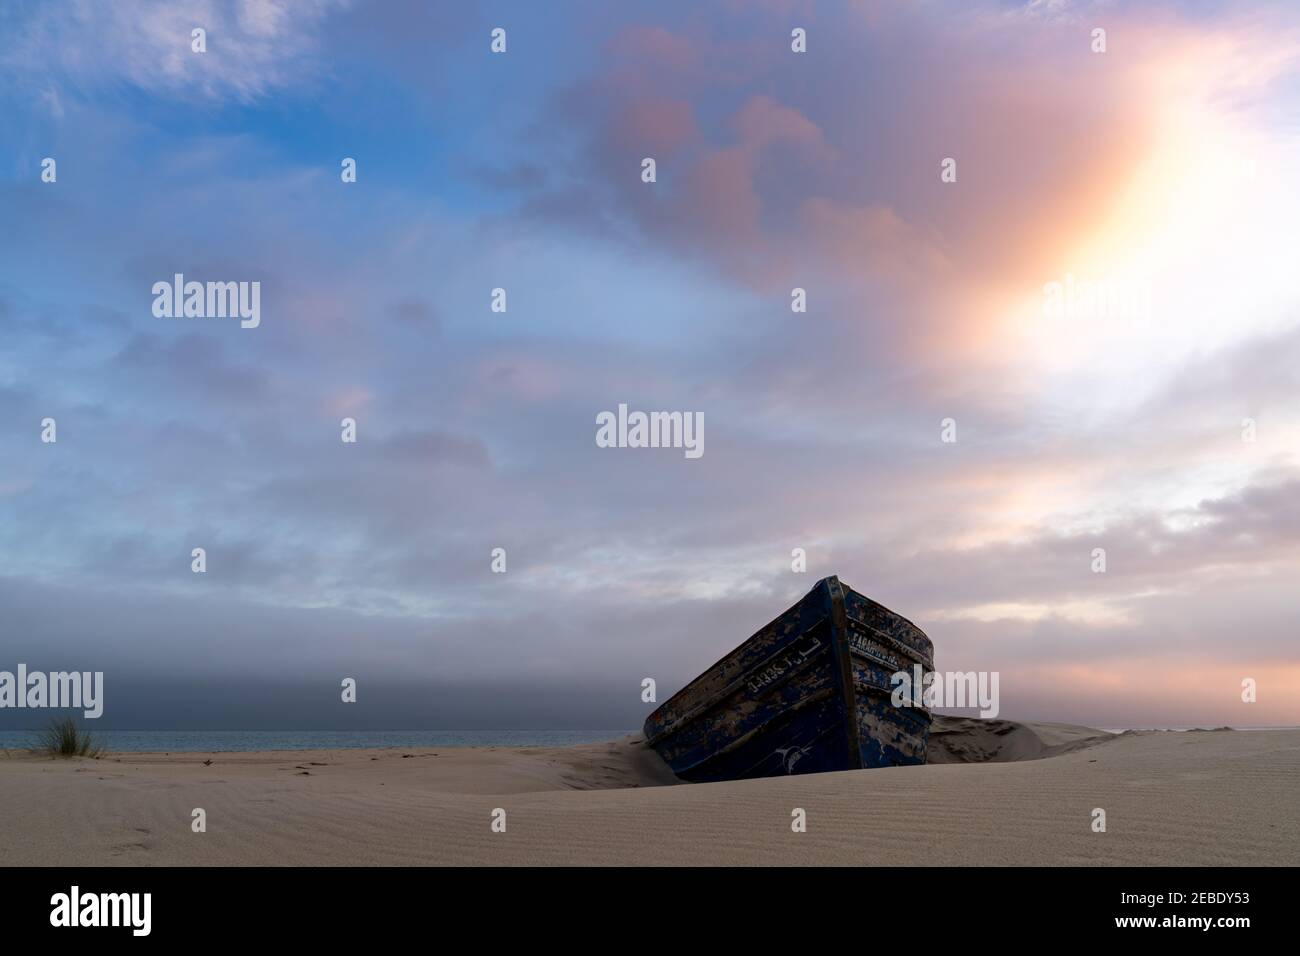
x=1199, y=798
x=974, y=740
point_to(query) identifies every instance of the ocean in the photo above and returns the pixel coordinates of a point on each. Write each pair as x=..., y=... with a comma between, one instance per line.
x=205, y=741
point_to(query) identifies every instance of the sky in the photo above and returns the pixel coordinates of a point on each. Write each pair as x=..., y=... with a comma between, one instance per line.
x=1160, y=425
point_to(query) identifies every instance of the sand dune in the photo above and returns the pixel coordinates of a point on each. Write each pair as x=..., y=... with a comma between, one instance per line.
x=973, y=740
x=1224, y=797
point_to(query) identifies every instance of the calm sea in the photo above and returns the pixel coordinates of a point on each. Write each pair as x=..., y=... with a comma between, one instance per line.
x=215, y=740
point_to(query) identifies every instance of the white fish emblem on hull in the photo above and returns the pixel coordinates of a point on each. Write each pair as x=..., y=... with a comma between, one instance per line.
x=790, y=756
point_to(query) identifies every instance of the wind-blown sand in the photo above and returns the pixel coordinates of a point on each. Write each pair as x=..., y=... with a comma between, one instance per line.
x=1196, y=798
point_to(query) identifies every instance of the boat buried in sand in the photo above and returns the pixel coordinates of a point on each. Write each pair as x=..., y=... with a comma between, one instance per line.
x=809, y=693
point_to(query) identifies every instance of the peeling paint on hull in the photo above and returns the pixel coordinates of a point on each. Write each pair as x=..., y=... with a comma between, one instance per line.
x=809, y=693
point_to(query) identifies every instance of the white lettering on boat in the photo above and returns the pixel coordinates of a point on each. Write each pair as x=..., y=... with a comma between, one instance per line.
x=874, y=650
x=778, y=668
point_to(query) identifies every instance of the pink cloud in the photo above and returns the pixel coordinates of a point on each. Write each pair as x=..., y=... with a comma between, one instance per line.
x=653, y=125
x=652, y=44
x=763, y=121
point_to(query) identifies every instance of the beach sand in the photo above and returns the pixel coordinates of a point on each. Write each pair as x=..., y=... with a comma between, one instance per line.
x=996, y=792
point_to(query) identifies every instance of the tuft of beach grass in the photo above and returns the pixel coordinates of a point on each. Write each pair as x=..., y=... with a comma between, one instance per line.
x=63, y=738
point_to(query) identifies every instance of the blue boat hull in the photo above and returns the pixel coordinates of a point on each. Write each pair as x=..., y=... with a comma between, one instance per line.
x=809, y=693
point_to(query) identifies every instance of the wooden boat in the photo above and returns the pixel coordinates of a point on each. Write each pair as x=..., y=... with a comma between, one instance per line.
x=807, y=694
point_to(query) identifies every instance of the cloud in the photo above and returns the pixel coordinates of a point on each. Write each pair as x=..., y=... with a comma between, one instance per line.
x=254, y=47
x=414, y=310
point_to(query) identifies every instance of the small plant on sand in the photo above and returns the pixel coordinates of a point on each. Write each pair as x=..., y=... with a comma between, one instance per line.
x=63, y=738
